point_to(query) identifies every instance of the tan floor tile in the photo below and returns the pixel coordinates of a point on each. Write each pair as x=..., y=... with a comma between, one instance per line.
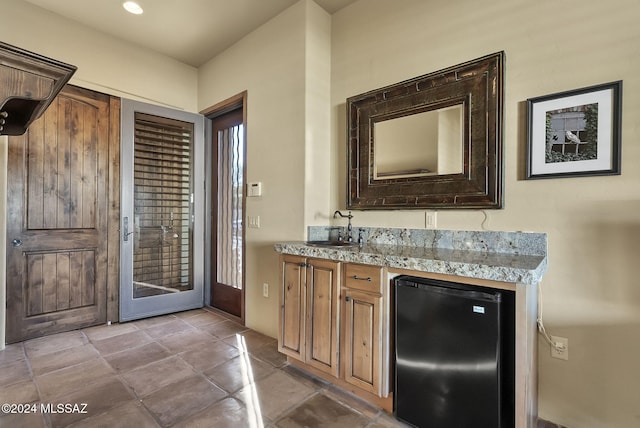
x=189, y=313
x=30, y=420
x=187, y=340
x=184, y=374
x=130, y=359
x=228, y=413
x=11, y=354
x=385, y=420
x=238, y=372
x=154, y=376
x=321, y=411
x=65, y=381
x=250, y=340
x=61, y=359
x=304, y=377
x=130, y=414
x=270, y=354
x=98, y=397
x=183, y=399
x=104, y=331
x=22, y=392
x=274, y=394
x=223, y=329
x=153, y=321
x=344, y=397
x=209, y=356
x=56, y=342
x=166, y=329
x=121, y=342
x=14, y=372
x=204, y=318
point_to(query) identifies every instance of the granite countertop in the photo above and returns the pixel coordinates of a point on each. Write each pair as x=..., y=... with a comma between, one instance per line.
x=513, y=267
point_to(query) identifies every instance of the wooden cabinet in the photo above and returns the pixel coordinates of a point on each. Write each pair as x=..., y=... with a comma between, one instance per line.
x=365, y=350
x=337, y=324
x=310, y=312
x=28, y=84
x=360, y=316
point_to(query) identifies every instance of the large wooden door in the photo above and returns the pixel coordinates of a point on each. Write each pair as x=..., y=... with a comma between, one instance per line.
x=58, y=216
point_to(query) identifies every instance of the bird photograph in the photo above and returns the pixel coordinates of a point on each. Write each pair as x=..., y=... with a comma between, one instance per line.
x=572, y=137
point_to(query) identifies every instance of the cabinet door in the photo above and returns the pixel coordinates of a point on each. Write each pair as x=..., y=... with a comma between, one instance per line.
x=292, y=307
x=322, y=315
x=362, y=340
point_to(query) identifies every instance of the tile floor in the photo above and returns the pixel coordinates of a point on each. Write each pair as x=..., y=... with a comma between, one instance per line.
x=191, y=369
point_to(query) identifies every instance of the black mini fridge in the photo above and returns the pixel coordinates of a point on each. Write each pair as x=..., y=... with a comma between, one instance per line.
x=449, y=359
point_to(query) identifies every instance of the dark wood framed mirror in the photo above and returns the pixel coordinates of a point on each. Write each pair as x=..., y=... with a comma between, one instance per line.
x=434, y=141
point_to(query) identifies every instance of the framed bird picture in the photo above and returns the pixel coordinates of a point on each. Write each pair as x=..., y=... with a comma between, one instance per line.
x=575, y=133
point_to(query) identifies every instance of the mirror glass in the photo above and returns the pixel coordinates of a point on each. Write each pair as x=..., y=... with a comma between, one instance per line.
x=423, y=144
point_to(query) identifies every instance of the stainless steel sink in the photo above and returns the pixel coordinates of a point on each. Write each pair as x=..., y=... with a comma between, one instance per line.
x=331, y=244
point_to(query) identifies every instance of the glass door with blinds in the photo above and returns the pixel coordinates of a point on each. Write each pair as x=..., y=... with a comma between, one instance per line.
x=162, y=211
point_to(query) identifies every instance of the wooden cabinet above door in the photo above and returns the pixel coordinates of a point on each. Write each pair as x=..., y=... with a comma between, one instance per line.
x=28, y=84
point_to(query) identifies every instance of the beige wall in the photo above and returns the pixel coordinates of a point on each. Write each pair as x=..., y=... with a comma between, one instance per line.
x=591, y=292
x=104, y=63
x=284, y=67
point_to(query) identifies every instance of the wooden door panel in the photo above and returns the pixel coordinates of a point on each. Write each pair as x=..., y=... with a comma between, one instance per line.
x=292, y=307
x=62, y=166
x=322, y=315
x=362, y=331
x=362, y=340
x=59, y=281
x=57, y=218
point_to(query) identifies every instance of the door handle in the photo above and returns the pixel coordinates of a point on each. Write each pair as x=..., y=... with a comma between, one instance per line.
x=16, y=242
x=125, y=227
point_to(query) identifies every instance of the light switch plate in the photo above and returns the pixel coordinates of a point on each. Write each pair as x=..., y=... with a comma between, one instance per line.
x=254, y=221
x=254, y=189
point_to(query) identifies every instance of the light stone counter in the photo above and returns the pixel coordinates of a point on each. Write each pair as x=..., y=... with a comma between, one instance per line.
x=514, y=257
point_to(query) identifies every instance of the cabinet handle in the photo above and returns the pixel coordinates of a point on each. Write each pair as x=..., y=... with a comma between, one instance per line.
x=347, y=298
x=362, y=279
x=303, y=264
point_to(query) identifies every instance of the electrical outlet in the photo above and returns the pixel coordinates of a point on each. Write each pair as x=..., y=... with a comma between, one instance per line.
x=265, y=290
x=430, y=219
x=560, y=347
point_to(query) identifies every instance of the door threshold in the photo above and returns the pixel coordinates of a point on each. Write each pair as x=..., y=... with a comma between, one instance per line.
x=224, y=314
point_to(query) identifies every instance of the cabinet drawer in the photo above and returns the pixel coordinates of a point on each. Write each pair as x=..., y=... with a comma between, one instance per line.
x=362, y=277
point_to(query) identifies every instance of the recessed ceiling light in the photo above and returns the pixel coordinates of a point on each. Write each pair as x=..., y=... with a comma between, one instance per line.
x=132, y=7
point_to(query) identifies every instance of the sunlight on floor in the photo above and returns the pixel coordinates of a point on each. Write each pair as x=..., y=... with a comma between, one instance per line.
x=254, y=412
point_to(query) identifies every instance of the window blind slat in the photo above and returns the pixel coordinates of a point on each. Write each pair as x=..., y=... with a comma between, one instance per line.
x=162, y=187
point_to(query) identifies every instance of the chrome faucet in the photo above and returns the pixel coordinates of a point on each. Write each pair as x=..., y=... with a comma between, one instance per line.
x=349, y=227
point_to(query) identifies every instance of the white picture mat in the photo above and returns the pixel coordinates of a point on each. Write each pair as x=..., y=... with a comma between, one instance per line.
x=604, y=99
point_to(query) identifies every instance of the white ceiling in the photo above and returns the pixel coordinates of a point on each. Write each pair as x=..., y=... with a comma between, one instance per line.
x=191, y=31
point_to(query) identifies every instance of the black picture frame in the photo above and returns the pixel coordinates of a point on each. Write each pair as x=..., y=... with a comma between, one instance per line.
x=575, y=133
